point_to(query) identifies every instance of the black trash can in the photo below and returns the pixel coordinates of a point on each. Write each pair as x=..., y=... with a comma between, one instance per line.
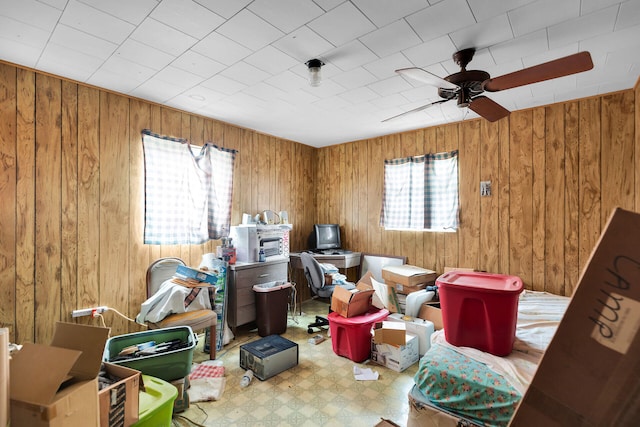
x=272, y=300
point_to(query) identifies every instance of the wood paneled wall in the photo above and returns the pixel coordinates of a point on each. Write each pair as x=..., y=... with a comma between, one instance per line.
x=72, y=194
x=556, y=174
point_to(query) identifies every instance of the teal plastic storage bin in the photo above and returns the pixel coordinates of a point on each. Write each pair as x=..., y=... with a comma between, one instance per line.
x=168, y=366
x=156, y=403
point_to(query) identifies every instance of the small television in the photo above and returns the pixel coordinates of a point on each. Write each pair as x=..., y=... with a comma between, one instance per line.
x=327, y=236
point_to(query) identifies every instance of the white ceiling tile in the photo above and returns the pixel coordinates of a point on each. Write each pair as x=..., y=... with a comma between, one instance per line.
x=193, y=62
x=221, y=49
x=224, y=8
x=431, y=52
x=249, y=30
x=358, y=95
x=391, y=100
x=484, y=34
x=354, y=78
x=386, y=67
x=441, y=19
x=326, y=89
x=58, y=4
x=18, y=53
x=264, y=91
x=529, y=44
x=31, y=12
x=271, y=60
x=383, y=12
x=589, y=6
x=350, y=56
x=303, y=44
x=287, y=15
x=593, y=24
x=535, y=16
x=178, y=77
x=157, y=90
x=287, y=81
x=390, y=86
x=245, y=73
x=299, y=97
x=61, y=60
x=223, y=84
x=161, y=36
x=130, y=11
x=629, y=15
x=140, y=53
x=485, y=9
x=327, y=5
x=394, y=37
x=130, y=73
x=121, y=74
x=82, y=42
x=332, y=104
x=187, y=16
x=23, y=34
x=342, y=24
x=623, y=39
x=93, y=21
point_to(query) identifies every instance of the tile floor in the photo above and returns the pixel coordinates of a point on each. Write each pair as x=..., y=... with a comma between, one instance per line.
x=319, y=391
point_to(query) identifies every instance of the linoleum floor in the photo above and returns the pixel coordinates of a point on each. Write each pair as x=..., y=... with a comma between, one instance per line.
x=319, y=391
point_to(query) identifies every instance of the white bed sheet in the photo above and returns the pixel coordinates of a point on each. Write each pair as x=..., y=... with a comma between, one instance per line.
x=539, y=314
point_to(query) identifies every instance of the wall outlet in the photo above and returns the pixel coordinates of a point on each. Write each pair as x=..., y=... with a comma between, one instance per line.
x=485, y=188
x=89, y=311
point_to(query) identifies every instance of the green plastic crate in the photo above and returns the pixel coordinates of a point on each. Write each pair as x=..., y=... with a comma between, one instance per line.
x=168, y=366
x=156, y=403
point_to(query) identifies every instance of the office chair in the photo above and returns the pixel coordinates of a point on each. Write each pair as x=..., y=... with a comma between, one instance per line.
x=162, y=270
x=315, y=278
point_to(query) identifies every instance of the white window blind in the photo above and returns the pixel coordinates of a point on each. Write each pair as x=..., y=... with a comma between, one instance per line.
x=421, y=193
x=188, y=190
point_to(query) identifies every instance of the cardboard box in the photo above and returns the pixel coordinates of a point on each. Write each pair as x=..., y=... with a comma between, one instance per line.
x=119, y=402
x=431, y=313
x=407, y=278
x=392, y=346
x=418, y=327
x=354, y=302
x=67, y=387
x=184, y=272
x=182, y=402
x=589, y=374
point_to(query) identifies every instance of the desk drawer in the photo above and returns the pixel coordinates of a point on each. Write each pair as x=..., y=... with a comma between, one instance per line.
x=263, y=274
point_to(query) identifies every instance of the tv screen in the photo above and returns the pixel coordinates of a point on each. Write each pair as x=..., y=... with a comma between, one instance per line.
x=327, y=236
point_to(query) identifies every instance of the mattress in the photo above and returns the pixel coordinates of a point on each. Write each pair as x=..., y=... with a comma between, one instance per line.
x=480, y=387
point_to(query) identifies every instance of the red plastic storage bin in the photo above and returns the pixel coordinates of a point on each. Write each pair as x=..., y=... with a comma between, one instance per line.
x=351, y=336
x=480, y=310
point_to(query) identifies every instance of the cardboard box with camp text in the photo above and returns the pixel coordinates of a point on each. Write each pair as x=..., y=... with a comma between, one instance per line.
x=590, y=375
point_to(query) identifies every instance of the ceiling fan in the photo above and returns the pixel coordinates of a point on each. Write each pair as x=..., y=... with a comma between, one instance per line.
x=467, y=86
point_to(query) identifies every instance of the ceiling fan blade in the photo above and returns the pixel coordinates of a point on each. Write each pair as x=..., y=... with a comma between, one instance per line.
x=415, y=110
x=426, y=77
x=488, y=108
x=568, y=65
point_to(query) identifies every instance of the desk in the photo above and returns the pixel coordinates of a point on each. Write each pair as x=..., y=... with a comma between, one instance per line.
x=344, y=261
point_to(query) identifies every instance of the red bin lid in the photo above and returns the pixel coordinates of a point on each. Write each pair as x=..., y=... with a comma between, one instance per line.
x=481, y=281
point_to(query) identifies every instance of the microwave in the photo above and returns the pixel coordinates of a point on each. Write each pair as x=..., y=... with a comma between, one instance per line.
x=248, y=240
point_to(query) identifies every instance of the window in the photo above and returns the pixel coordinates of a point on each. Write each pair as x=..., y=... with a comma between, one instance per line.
x=421, y=193
x=188, y=191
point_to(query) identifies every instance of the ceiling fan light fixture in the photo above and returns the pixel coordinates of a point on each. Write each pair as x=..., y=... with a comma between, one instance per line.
x=315, y=66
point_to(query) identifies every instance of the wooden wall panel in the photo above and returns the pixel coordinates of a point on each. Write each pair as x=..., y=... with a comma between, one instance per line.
x=69, y=142
x=72, y=178
x=8, y=164
x=48, y=206
x=25, y=204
